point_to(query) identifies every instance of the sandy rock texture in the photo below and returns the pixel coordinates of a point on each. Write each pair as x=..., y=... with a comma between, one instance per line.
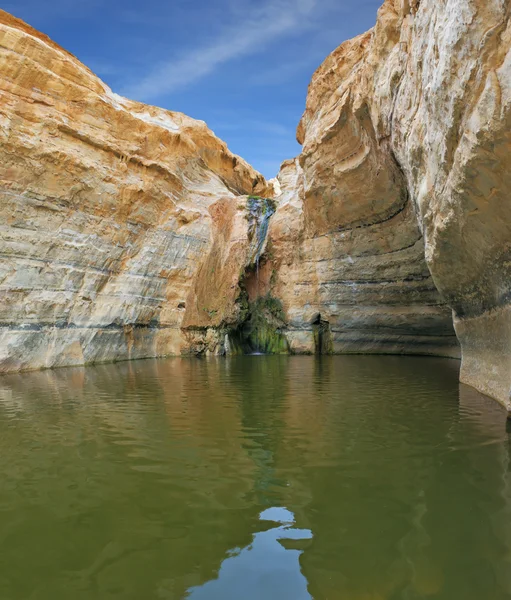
x=406, y=139
x=111, y=214
x=348, y=249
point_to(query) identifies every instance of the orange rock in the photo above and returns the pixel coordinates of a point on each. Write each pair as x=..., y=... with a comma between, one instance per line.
x=113, y=214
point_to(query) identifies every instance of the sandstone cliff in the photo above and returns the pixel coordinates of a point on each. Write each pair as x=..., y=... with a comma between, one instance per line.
x=127, y=230
x=123, y=229
x=406, y=139
x=351, y=270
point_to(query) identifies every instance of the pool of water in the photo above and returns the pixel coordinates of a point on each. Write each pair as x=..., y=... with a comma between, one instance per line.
x=253, y=478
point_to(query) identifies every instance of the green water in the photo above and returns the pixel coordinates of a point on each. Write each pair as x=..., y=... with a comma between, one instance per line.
x=268, y=478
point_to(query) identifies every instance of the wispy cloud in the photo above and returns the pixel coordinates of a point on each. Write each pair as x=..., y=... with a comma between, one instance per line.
x=253, y=32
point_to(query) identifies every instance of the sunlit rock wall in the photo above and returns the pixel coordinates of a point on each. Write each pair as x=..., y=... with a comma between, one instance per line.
x=125, y=233
x=110, y=213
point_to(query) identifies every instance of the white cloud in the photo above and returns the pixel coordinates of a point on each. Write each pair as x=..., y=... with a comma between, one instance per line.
x=251, y=33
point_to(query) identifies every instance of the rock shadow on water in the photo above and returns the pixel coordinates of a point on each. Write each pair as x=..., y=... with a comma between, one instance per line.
x=268, y=568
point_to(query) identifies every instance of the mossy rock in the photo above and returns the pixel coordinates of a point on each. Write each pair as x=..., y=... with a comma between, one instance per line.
x=261, y=330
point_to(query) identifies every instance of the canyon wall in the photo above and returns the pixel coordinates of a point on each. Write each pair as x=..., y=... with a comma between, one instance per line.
x=131, y=231
x=348, y=254
x=406, y=139
x=123, y=226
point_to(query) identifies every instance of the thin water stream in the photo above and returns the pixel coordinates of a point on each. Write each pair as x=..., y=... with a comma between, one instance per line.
x=260, y=211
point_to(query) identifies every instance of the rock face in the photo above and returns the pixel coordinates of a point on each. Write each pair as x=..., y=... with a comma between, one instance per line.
x=127, y=230
x=406, y=140
x=348, y=249
x=451, y=130
x=123, y=226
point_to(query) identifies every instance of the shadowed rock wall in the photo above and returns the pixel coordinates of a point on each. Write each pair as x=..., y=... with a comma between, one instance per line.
x=406, y=139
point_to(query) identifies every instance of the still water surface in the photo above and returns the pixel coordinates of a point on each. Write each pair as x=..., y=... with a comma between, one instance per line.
x=253, y=478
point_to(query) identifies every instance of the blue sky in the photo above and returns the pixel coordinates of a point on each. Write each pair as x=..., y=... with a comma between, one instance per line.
x=242, y=66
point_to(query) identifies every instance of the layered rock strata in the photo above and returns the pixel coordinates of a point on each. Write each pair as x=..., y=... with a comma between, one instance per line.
x=349, y=261
x=123, y=226
x=127, y=230
x=406, y=139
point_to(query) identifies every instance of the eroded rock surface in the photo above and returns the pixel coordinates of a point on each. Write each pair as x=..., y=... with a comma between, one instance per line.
x=351, y=266
x=123, y=226
x=406, y=139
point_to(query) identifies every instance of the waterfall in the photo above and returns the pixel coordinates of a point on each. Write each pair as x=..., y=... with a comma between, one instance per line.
x=227, y=345
x=261, y=316
x=260, y=210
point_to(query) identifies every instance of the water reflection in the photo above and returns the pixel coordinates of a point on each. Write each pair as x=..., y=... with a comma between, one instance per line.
x=138, y=480
x=268, y=568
